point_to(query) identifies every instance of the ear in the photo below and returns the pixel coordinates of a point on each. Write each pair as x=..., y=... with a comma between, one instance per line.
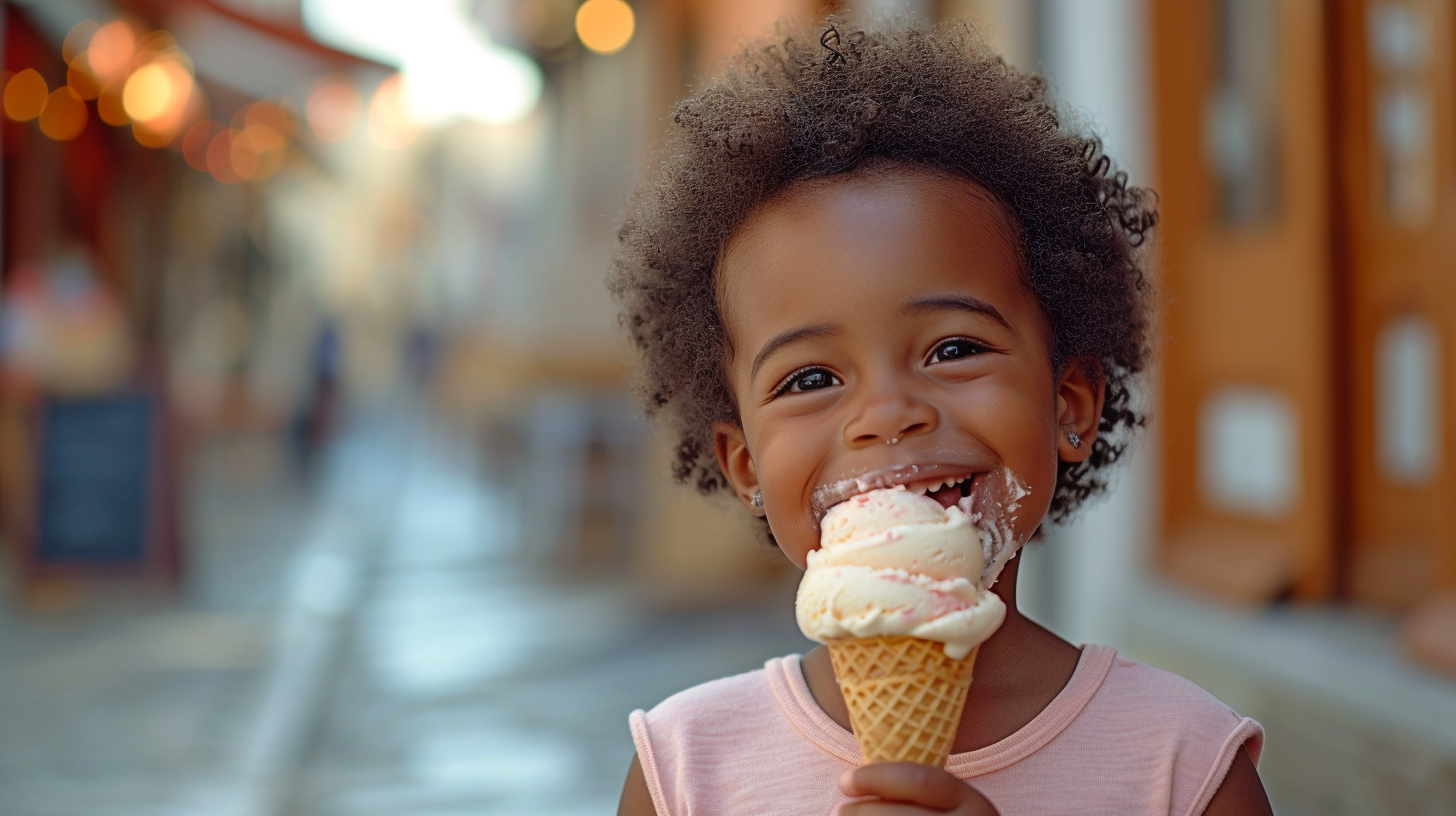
x=1079, y=409
x=737, y=464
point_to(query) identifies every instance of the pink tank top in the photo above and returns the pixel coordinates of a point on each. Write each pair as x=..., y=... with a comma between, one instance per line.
x=1120, y=738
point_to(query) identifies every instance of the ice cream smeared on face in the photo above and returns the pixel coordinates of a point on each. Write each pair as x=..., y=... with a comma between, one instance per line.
x=893, y=562
x=995, y=506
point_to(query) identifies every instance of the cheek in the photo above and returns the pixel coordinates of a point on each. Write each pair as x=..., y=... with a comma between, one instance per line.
x=1025, y=429
x=792, y=524
x=788, y=461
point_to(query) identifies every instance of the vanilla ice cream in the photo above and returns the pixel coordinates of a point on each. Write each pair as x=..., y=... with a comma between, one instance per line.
x=892, y=562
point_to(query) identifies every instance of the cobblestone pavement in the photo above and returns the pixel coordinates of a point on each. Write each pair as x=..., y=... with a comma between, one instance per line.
x=376, y=644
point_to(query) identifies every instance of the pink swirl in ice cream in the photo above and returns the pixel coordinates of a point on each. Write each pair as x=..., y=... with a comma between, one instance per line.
x=893, y=562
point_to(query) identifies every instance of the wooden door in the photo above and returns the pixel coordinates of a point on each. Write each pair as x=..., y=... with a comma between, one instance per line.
x=1396, y=119
x=1245, y=413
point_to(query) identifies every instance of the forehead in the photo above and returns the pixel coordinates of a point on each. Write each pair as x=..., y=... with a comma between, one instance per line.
x=871, y=239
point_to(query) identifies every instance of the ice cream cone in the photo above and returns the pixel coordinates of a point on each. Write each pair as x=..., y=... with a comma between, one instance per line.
x=904, y=696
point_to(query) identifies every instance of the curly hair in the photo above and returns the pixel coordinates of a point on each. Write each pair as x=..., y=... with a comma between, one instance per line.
x=799, y=108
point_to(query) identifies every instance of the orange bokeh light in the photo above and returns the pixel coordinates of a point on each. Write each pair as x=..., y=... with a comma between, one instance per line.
x=111, y=49
x=79, y=77
x=220, y=158
x=64, y=116
x=253, y=161
x=333, y=107
x=160, y=99
x=25, y=95
x=154, y=44
x=390, y=125
x=108, y=104
x=605, y=26
x=148, y=92
x=260, y=135
x=147, y=136
x=262, y=138
x=270, y=116
x=196, y=141
x=78, y=38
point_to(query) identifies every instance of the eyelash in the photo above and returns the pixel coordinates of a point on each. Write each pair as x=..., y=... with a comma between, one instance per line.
x=788, y=382
x=975, y=349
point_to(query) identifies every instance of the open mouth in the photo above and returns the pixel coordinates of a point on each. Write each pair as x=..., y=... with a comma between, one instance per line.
x=946, y=484
x=950, y=491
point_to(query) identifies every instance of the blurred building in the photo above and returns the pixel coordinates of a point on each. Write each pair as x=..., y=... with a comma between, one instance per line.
x=152, y=152
x=1300, y=472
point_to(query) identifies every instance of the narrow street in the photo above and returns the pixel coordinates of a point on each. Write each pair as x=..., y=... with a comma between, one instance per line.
x=378, y=643
x=476, y=679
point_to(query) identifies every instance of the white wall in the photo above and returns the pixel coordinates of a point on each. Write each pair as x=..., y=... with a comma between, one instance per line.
x=1095, y=52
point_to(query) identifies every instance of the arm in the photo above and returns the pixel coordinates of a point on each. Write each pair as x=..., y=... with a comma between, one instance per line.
x=1241, y=791
x=636, y=801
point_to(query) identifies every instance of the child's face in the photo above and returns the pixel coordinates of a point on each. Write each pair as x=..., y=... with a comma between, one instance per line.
x=881, y=321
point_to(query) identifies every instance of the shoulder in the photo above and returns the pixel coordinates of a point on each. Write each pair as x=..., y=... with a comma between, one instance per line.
x=713, y=701
x=1161, y=701
x=706, y=750
x=718, y=713
x=1135, y=688
x=1175, y=726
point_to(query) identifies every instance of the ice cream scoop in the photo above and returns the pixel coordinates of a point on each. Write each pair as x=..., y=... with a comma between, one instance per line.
x=899, y=590
x=892, y=562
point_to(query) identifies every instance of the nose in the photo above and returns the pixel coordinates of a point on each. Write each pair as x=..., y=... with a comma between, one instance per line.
x=888, y=416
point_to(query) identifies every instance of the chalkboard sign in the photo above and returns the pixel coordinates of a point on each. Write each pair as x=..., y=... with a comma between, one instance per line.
x=96, y=486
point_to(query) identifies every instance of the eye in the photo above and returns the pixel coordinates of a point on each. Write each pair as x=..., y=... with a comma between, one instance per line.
x=956, y=348
x=806, y=379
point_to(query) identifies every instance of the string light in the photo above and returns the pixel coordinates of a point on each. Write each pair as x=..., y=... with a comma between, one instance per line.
x=111, y=49
x=390, y=124
x=25, y=95
x=142, y=79
x=78, y=39
x=196, y=141
x=147, y=93
x=605, y=26
x=333, y=107
x=64, y=116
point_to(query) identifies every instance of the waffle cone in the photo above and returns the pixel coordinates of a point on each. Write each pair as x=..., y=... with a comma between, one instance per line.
x=904, y=696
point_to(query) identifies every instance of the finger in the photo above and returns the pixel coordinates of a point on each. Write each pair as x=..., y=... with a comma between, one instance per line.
x=976, y=808
x=904, y=782
x=879, y=809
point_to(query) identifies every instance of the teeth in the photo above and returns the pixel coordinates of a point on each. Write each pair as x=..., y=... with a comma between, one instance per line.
x=926, y=487
x=949, y=481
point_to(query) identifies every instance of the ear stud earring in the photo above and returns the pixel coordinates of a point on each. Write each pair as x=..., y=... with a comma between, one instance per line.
x=757, y=498
x=1074, y=438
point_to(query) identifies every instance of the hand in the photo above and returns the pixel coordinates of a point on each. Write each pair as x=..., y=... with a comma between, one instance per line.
x=907, y=788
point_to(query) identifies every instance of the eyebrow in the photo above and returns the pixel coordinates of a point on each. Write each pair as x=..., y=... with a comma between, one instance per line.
x=786, y=338
x=961, y=303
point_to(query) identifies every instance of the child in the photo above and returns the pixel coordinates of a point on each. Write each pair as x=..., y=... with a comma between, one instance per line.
x=869, y=250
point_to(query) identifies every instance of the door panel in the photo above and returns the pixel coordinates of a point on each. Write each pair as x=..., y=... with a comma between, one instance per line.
x=1247, y=294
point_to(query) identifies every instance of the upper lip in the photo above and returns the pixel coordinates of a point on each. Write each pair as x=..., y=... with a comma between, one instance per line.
x=916, y=476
